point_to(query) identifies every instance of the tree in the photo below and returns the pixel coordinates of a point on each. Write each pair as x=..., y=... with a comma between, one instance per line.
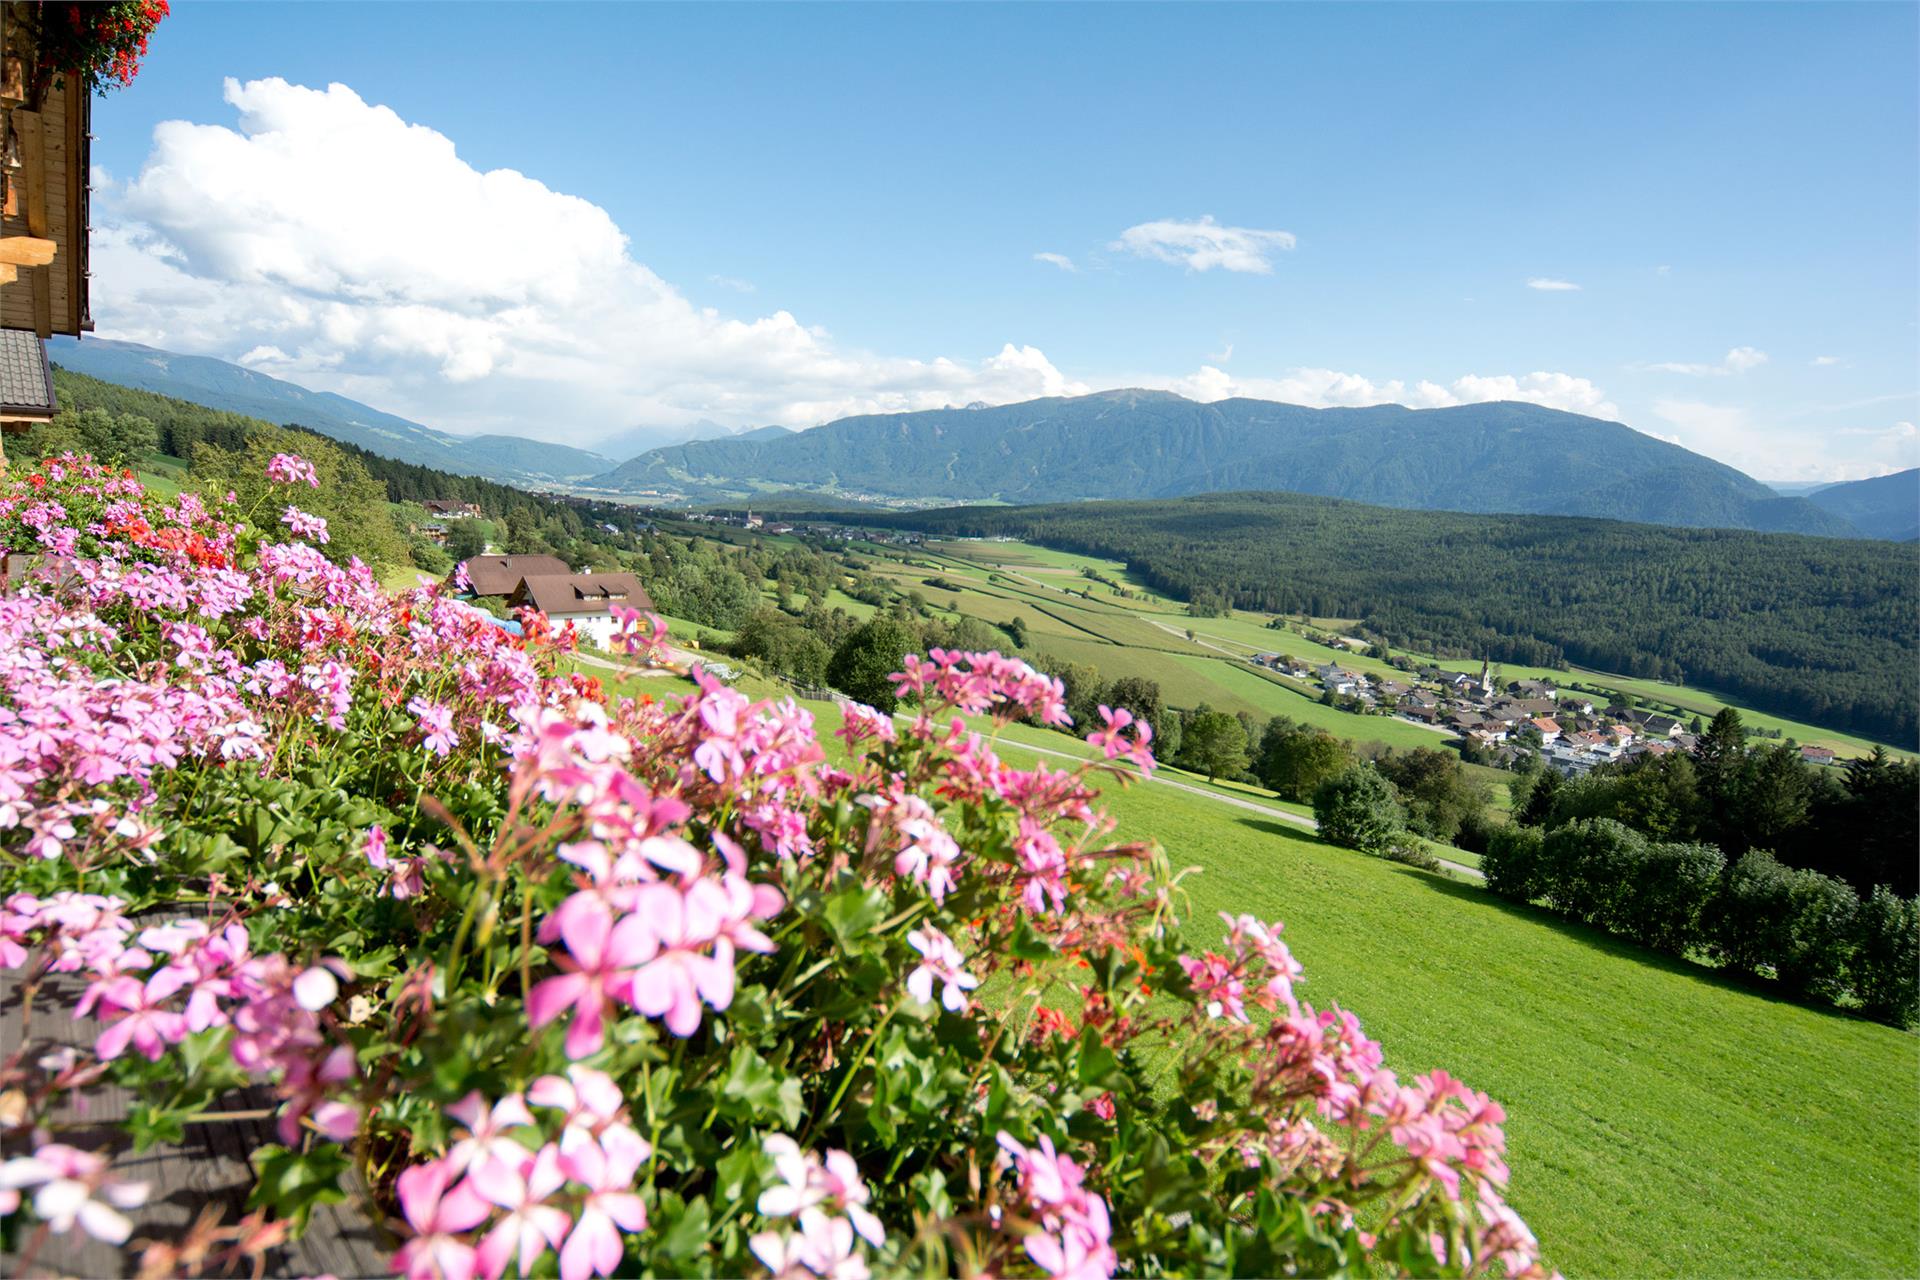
x=1438, y=793
x=1535, y=808
x=1214, y=743
x=1294, y=759
x=465, y=539
x=524, y=536
x=354, y=504
x=1141, y=696
x=865, y=659
x=1358, y=808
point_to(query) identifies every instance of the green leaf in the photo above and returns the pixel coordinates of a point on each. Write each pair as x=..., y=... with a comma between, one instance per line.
x=291, y=1183
x=1098, y=1064
x=150, y=1125
x=1026, y=944
x=687, y=1235
x=753, y=1092
x=851, y=914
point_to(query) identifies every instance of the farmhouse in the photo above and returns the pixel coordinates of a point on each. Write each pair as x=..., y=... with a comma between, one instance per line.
x=451, y=509
x=1817, y=755
x=44, y=119
x=501, y=575
x=586, y=600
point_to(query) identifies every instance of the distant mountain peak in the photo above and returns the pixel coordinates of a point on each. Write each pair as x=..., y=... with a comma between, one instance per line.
x=1502, y=456
x=221, y=384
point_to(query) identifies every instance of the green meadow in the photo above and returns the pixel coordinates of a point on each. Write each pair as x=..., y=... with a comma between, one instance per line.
x=1662, y=1121
x=1012, y=573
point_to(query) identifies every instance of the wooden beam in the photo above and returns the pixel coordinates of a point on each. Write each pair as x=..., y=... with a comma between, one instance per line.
x=30, y=128
x=27, y=251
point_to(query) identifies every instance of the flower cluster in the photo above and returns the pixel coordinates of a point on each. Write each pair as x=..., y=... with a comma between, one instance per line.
x=611, y=986
x=984, y=683
x=827, y=1199
x=291, y=468
x=523, y=1194
x=1074, y=1240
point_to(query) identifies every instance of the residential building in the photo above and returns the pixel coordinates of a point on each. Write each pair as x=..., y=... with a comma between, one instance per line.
x=586, y=600
x=44, y=218
x=1817, y=755
x=501, y=575
x=451, y=509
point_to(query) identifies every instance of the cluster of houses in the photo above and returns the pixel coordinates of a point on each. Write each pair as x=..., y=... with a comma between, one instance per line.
x=586, y=600
x=824, y=530
x=1525, y=717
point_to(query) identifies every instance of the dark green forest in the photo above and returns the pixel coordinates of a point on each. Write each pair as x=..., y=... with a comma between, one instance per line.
x=1818, y=629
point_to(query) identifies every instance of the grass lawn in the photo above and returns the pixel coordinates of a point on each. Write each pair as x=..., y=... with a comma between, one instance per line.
x=1662, y=1122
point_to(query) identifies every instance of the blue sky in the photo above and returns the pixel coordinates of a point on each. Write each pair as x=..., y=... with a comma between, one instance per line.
x=785, y=213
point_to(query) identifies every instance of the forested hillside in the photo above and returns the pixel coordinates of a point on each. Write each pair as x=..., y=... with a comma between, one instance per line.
x=1153, y=444
x=1818, y=629
x=242, y=391
x=1883, y=507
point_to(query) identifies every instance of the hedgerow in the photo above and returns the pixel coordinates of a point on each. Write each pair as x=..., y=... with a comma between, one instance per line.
x=1810, y=932
x=559, y=982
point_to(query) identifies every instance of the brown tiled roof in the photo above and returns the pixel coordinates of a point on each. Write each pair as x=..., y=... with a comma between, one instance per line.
x=501, y=575
x=571, y=594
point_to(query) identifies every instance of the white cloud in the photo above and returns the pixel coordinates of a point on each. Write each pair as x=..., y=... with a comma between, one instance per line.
x=1823, y=362
x=734, y=283
x=1738, y=360
x=1223, y=355
x=263, y=354
x=1327, y=388
x=469, y=300
x=1553, y=286
x=1202, y=244
x=1765, y=449
x=1059, y=260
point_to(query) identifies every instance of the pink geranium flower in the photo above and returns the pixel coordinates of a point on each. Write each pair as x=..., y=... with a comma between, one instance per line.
x=531, y=1226
x=438, y=1217
x=673, y=984
x=606, y=1168
x=941, y=962
x=599, y=966
x=68, y=1180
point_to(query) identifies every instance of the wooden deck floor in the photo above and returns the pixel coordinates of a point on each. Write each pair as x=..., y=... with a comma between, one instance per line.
x=209, y=1168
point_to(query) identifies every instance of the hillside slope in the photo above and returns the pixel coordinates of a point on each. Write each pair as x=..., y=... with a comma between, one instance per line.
x=1820, y=630
x=1883, y=507
x=221, y=385
x=1499, y=457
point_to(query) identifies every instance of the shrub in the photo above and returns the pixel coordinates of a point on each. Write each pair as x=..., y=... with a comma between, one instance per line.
x=1800, y=925
x=1512, y=862
x=1886, y=958
x=647, y=984
x=1358, y=808
x=1588, y=867
x=1666, y=900
x=1409, y=850
x=864, y=660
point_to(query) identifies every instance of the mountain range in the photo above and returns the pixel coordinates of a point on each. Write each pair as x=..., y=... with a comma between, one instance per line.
x=1486, y=458
x=1496, y=457
x=220, y=385
x=1883, y=507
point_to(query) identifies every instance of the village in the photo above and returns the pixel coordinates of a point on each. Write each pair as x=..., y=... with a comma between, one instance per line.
x=1505, y=724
